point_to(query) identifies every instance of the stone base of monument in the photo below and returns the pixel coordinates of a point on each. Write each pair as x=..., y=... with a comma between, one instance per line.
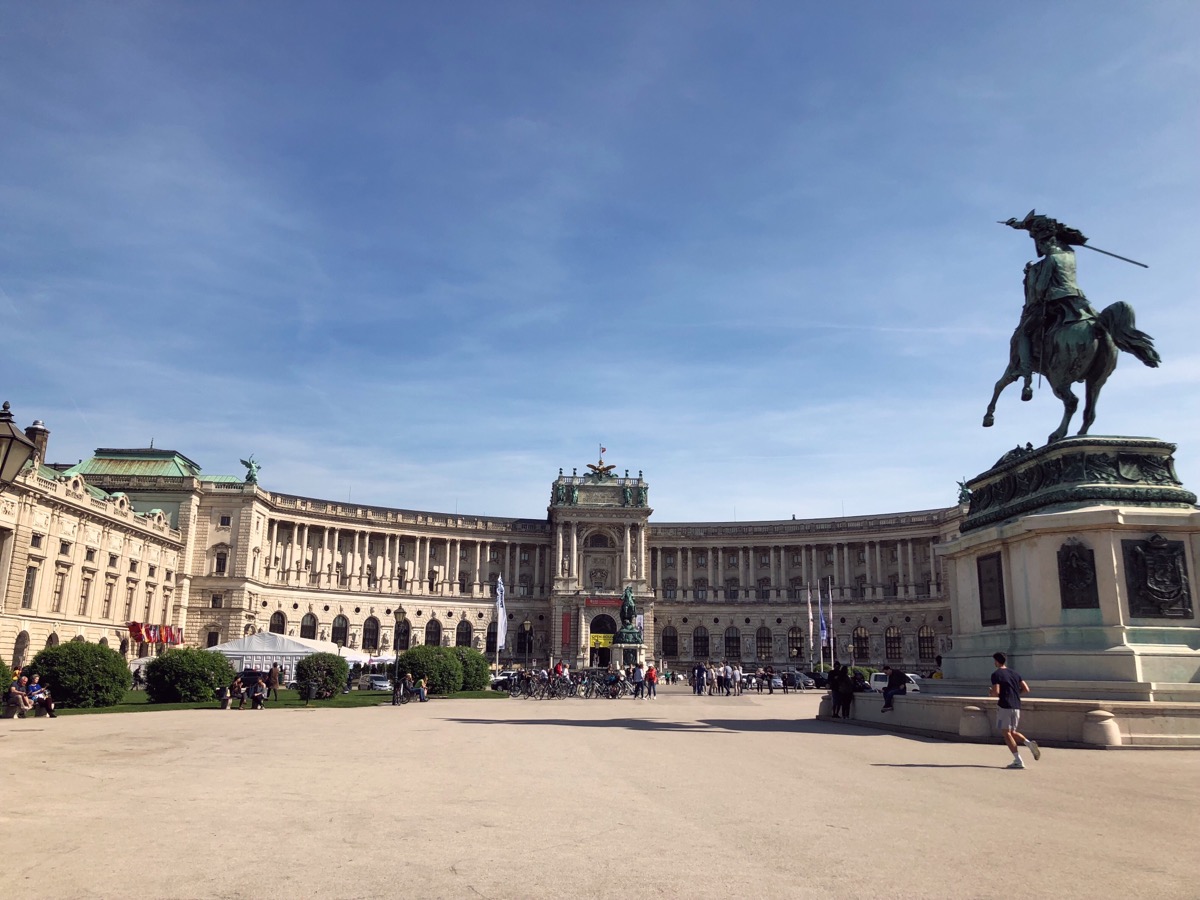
x=627, y=648
x=1077, y=561
x=971, y=717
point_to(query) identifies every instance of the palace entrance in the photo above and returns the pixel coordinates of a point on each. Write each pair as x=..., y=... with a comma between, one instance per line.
x=601, y=631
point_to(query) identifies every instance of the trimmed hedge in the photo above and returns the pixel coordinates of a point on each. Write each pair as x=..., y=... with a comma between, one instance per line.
x=477, y=674
x=187, y=675
x=439, y=666
x=329, y=670
x=82, y=675
x=5, y=676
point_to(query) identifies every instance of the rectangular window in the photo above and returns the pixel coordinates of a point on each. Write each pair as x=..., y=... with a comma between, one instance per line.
x=112, y=560
x=60, y=582
x=670, y=591
x=129, y=603
x=35, y=540
x=150, y=570
x=670, y=560
x=133, y=565
x=764, y=559
x=524, y=556
x=169, y=574
x=31, y=574
x=85, y=596
x=991, y=590
x=106, y=610
x=701, y=561
x=493, y=556
x=226, y=521
x=796, y=559
x=90, y=555
x=64, y=548
x=149, y=603
x=222, y=560
x=217, y=601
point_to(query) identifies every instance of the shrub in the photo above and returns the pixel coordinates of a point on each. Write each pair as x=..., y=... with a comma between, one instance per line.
x=5, y=676
x=187, y=675
x=82, y=675
x=477, y=674
x=437, y=665
x=328, y=670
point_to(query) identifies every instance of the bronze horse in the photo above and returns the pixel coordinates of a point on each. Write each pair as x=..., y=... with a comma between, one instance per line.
x=1079, y=349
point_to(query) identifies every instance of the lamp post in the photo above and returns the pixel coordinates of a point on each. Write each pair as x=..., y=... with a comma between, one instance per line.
x=401, y=614
x=15, y=448
x=527, y=628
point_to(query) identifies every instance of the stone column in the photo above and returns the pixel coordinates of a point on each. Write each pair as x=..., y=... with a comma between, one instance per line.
x=574, y=565
x=911, y=587
x=476, y=587
x=626, y=552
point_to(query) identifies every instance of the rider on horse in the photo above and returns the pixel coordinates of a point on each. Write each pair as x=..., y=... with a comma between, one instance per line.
x=1052, y=296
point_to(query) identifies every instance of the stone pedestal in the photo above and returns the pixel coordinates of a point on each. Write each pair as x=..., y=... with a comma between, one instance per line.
x=627, y=648
x=1078, y=560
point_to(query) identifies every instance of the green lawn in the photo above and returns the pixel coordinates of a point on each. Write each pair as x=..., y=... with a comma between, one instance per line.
x=137, y=701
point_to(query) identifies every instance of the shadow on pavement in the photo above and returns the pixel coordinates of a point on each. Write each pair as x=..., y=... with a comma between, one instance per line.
x=790, y=726
x=934, y=766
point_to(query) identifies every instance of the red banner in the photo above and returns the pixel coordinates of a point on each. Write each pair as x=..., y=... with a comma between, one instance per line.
x=566, y=633
x=602, y=601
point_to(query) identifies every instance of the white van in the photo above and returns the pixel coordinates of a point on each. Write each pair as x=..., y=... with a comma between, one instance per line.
x=879, y=682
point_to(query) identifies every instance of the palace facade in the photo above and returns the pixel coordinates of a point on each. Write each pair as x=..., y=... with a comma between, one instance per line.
x=143, y=535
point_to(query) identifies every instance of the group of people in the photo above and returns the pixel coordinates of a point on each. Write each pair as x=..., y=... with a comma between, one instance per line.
x=844, y=683
x=731, y=680
x=27, y=694
x=257, y=688
x=645, y=682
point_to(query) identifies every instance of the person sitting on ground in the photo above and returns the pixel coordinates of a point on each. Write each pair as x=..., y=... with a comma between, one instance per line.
x=258, y=694
x=39, y=696
x=237, y=691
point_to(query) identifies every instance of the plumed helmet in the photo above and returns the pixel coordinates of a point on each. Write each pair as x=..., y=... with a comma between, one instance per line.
x=1044, y=226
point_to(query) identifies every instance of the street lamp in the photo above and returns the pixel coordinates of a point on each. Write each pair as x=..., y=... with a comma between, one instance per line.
x=15, y=448
x=527, y=627
x=401, y=614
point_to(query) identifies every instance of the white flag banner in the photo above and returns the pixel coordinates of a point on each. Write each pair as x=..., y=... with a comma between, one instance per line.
x=501, y=615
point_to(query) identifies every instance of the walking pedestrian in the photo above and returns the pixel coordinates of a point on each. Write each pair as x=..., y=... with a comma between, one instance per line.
x=1008, y=686
x=639, y=682
x=651, y=682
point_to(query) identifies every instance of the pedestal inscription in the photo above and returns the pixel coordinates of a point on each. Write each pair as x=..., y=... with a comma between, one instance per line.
x=1077, y=576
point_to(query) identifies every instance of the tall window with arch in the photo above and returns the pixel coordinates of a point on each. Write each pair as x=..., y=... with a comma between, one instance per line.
x=278, y=623
x=762, y=644
x=795, y=639
x=733, y=643
x=433, y=633
x=403, y=635
x=371, y=634
x=491, y=638
x=308, y=627
x=463, y=634
x=341, y=630
x=670, y=642
x=891, y=643
x=926, y=643
x=700, y=642
x=862, y=644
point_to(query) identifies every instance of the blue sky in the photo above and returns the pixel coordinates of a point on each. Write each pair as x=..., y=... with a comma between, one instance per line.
x=423, y=255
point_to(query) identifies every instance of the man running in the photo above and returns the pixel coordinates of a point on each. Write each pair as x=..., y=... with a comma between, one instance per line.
x=1009, y=686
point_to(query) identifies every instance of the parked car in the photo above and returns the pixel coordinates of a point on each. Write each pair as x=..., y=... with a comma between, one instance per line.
x=502, y=681
x=819, y=679
x=879, y=681
x=776, y=682
x=798, y=680
x=376, y=683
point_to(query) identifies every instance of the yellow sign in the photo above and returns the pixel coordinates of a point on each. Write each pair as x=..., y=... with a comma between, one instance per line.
x=601, y=640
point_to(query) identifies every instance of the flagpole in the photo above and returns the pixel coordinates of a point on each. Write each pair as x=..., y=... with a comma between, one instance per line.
x=808, y=592
x=832, y=646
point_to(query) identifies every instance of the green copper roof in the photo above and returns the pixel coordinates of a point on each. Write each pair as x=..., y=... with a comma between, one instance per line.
x=152, y=462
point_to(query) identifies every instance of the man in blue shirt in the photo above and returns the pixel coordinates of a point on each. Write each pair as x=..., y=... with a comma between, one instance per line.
x=1008, y=686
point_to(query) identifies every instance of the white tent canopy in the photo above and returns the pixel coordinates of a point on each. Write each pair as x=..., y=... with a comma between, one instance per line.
x=264, y=649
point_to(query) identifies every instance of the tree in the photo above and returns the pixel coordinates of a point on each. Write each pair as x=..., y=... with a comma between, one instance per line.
x=187, y=675
x=440, y=668
x=328, y=670
x=82, y=675
x=477, y=674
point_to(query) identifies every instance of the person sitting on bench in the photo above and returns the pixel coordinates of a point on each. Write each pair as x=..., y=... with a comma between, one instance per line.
x=16, y=701
x=39, y=696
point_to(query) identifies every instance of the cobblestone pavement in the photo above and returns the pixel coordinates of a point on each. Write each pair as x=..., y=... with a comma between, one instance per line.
x=679, y=797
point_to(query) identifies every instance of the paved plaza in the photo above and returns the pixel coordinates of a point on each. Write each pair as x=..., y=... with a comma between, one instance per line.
x=680, y=797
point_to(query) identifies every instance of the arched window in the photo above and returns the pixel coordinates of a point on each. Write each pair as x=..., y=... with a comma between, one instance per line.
x=795, y=643
x=21, y=648
x=862, y=644
x=762, y=643
x=733, y=643
x=891, y=643
x=371, y=634
x=604, y=624
x=926, y=643
x=278, y=623
x=308, y=627
x=433, y=633
x=463, y=634
x=491, y=638
x=52, y=641
x=403, y=635
x=341, y=630
x=670, y=588
x=700, y=642
x=599, y=540
x=701, y=591
x=670, y=642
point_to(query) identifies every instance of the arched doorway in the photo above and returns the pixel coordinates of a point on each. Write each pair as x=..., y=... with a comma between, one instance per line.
x=602, y=629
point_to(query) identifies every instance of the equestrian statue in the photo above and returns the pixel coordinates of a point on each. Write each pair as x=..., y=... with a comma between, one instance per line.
x=1060, y=335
